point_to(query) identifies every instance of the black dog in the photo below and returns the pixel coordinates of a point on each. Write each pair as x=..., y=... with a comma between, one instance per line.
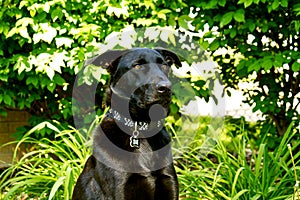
x=132, y=156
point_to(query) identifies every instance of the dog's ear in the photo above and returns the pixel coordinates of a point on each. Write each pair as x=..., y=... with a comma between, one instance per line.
x=170, y=56
x=108, y=60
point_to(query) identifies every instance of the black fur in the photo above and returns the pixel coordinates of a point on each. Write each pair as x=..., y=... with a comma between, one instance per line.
x=139, y=80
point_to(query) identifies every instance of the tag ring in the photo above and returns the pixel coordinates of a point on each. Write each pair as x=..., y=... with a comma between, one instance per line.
x=135, y=134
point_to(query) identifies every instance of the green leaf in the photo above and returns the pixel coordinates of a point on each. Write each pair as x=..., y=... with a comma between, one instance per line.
x=41, y=16
x=56, y=186
x=278, y=61
x=32, y=80
x=3, y=77
x=12, y=32
x=21, y=104
x=1, y=28
x=58, y=79
x=7, y=99
x=267, y=64
x=214, y=45
x=265, y=28
x=183, y=21
x=297, y=24
x=284, y=3
x=239, y=15
x=32, y=12
x=172, y=21
x=251, y=27
x=210, y=4
x=246, y=3
x=296, y=8
x=275, y=4
x=242, y=68
x=44, y=81
x=174, y=108
x=69, y=181
x=222, y=3
x=51, y=87
x=162, y=13
x=256, y=66
x=226, y=19
x=56, y=14
x=204, y=45
x=233, y=33
x=296, y=66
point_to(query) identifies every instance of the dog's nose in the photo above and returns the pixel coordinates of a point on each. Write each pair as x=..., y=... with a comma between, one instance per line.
x=163, y=87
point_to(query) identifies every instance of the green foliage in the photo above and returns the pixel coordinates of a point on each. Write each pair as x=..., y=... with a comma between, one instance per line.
x=244, y=173
x=43, y=45
x=50, y=168
x=264, y=38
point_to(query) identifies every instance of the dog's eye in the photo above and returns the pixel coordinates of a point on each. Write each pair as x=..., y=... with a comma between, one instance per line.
x=137, y=67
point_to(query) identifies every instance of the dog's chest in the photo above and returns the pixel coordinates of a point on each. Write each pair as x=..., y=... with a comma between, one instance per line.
x=139, y=186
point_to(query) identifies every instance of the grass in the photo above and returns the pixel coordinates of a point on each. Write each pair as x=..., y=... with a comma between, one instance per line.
x=235, y=175
x=51, y=168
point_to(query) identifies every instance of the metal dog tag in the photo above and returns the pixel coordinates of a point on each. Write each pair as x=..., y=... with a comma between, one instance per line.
x=134, y=142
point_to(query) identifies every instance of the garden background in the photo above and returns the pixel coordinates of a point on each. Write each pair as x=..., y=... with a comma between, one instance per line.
x=253, y=43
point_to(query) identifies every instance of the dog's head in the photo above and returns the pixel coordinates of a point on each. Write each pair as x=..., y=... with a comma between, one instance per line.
x=139, y=79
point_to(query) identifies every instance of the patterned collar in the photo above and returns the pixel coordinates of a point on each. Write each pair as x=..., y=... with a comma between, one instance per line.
x=134, y=128
x=141, y=126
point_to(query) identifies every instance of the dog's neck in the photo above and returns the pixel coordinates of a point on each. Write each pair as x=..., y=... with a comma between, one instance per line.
x=135, y=129
x=132, y=125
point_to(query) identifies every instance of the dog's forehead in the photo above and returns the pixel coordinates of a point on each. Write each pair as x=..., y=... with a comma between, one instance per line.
x=147, y=55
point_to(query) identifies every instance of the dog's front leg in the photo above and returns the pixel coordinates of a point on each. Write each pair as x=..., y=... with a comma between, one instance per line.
x=167, y=184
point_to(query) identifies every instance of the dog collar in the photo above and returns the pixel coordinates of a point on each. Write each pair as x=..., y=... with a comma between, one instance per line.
x=135, y=126
x=140, y=126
